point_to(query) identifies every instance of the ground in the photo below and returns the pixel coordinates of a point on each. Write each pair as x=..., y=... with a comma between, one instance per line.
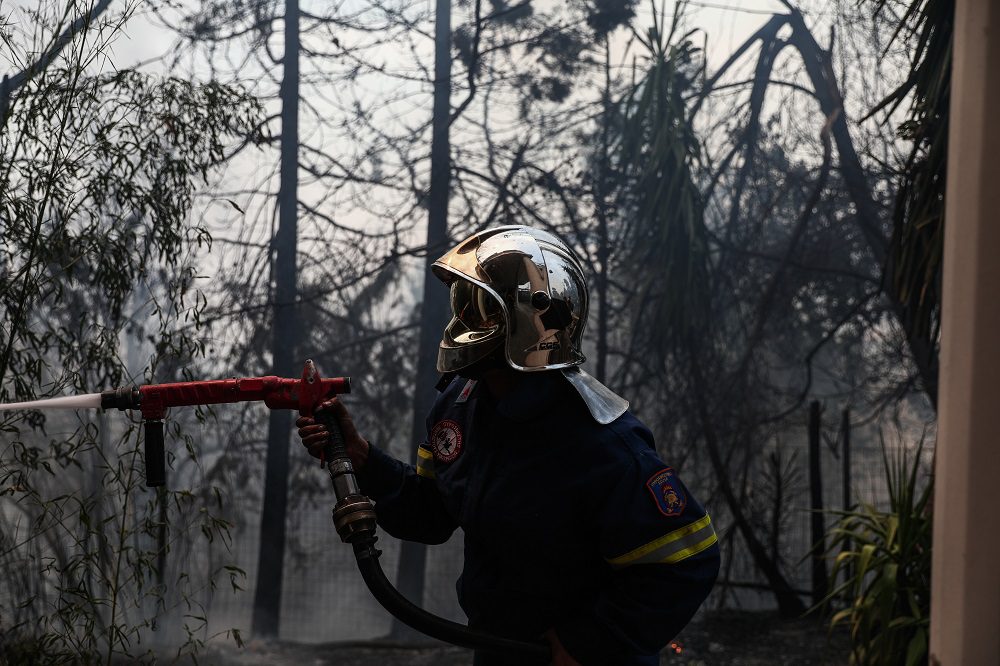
x=727, y=638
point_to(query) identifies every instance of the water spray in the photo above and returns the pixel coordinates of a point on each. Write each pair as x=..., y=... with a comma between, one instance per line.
x=354, y=514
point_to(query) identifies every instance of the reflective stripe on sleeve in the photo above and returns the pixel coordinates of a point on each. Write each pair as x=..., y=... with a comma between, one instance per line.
x=425, y=462
x=671, y=547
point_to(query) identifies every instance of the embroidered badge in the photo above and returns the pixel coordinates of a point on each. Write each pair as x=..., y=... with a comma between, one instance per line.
x=670, y=499
x=446, y=440
x=466, y=392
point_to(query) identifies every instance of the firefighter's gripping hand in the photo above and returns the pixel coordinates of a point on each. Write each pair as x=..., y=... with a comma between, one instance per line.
x=315, y=436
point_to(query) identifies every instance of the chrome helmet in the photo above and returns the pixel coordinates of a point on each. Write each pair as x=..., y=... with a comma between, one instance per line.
x=518, y=287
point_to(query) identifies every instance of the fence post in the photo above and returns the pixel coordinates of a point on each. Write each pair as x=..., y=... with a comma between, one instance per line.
x=845, y=434
x=819, y=579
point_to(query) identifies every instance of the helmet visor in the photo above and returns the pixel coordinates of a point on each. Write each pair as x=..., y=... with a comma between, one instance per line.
x=475, y=307
x=475, y=330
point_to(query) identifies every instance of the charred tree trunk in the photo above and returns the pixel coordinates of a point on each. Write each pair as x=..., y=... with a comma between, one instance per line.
x=434, y=313
x=270, y=562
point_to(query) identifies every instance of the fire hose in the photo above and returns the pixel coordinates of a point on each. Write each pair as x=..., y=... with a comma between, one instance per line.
x=354, y=513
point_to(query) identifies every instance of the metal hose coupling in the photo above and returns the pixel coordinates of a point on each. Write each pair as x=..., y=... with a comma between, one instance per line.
x=354, y=513
x=123, y=398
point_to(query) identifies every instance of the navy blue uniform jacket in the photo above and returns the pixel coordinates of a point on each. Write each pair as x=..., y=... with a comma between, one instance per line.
x=568, y=523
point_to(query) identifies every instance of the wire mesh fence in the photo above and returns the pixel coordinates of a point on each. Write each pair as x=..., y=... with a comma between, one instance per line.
x=324, y=598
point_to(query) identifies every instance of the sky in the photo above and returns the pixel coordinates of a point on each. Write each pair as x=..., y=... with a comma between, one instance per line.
x=726, y=23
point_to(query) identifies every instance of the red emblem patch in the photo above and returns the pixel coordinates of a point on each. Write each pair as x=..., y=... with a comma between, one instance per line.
x=446, y=440
x=667, y=492
x=466, y=392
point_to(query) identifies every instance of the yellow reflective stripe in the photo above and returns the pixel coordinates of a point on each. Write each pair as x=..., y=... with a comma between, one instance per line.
x=693, y=550
x=425, y=462
x=664, y=540
x=673, y=546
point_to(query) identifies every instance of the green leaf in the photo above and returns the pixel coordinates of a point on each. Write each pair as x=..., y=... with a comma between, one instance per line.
x=916, y=651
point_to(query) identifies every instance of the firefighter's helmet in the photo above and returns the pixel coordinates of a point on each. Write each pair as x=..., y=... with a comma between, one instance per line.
x=518, y=287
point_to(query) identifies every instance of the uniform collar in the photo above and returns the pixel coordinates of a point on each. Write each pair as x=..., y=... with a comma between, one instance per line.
x=534, y=396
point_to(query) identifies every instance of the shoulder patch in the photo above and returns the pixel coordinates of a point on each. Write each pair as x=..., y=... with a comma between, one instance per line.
x=446, y=440
x=667, y=492
x=466, y=392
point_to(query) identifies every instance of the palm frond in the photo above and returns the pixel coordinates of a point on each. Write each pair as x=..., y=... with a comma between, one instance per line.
x=667, y=260
x=914, y=270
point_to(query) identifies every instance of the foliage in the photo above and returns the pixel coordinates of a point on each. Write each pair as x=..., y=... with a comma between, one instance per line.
x=885, y=557
x=99, y=175
x=914, y=271
x=99, y=170
x=656, y=154
x=83, y=553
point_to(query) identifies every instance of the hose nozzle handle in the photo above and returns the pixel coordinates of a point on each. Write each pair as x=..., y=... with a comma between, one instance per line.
x=337, y=447
x=354, y=514
x=155, y=456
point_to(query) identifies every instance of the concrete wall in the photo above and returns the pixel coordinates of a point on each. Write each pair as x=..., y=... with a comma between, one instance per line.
x=965, y=596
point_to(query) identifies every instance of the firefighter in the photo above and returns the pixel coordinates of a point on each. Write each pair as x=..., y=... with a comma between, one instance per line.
x=575, y=531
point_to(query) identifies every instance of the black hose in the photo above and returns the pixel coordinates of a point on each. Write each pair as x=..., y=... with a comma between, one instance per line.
x=427, y=623
x=363, y=541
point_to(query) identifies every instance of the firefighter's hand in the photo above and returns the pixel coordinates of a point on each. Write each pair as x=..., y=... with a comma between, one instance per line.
x=316, y=437
x=559, y=655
